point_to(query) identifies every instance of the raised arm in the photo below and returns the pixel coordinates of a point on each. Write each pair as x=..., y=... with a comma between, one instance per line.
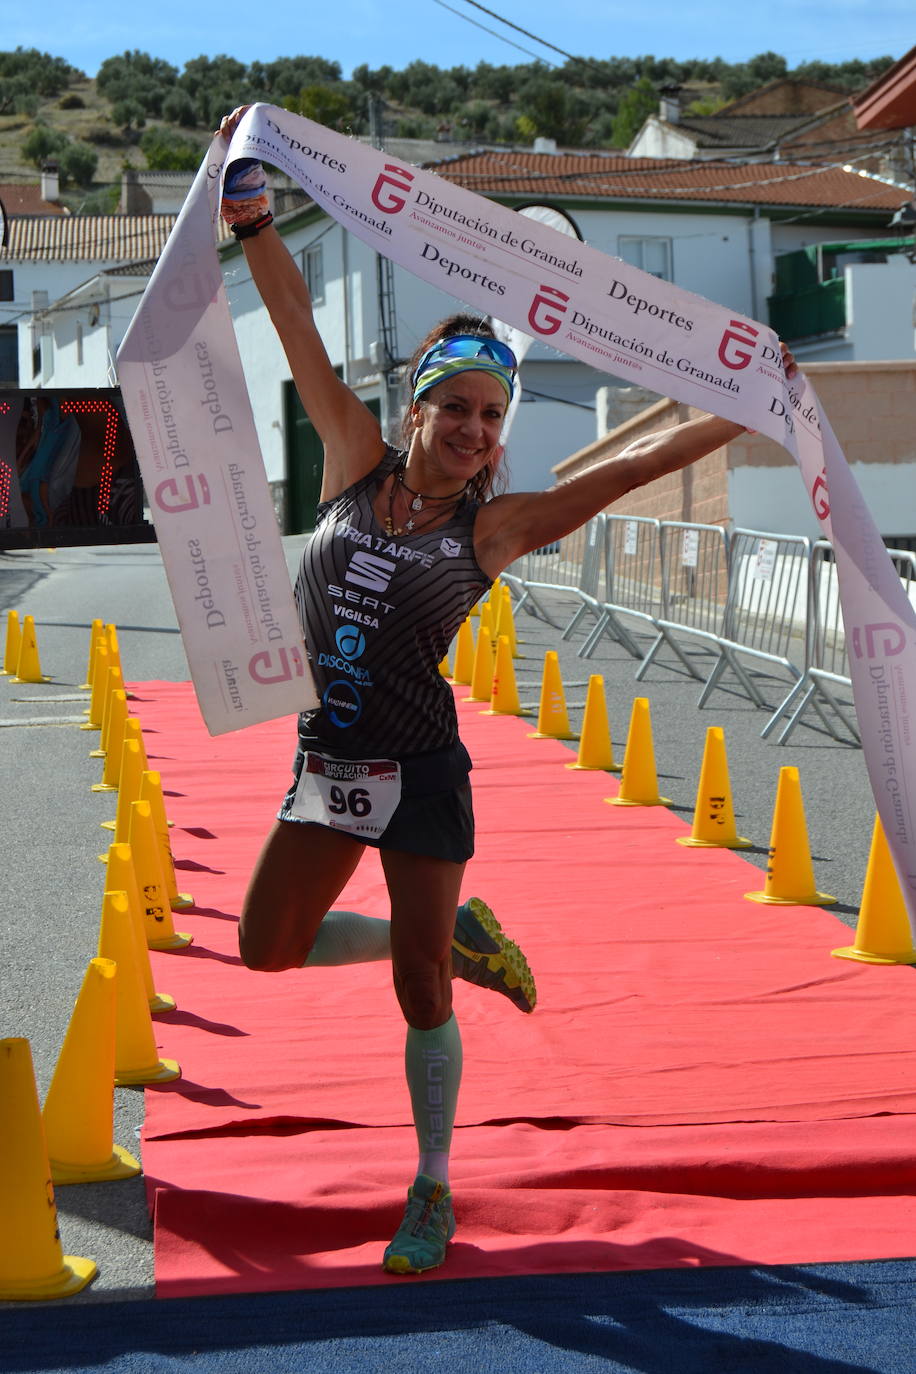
x=518, y=522
x=348, y=430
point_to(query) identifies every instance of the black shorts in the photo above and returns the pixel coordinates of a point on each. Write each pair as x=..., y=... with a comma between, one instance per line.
x=434, y=816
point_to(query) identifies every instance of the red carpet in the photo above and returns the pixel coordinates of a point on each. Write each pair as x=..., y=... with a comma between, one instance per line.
x=700, y=1084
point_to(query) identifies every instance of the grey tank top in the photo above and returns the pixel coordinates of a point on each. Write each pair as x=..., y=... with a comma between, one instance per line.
x=378, y=613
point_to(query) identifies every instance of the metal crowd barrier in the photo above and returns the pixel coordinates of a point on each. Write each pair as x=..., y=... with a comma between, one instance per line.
x=694, y=575
x=759, y=604
x=826, y=679
x=634, y=582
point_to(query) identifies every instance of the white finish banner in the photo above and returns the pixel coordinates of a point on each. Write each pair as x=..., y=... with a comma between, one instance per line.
x=190, y=416
x=591, y=306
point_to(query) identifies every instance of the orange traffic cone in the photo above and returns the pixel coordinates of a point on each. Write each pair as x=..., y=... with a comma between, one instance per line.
x=883, y=932
x=505, y=622
x=639, y=779
x=553, y=720
x=595, y=751
x=154, y=896
x=136, y=1056
x=713, y=816
x=790, y=877
x=28, y=666
x=115, y=684
x=121, y=877
x=32, y=1265
x=13, y=640
x=78, y=1113
x=131, y=771
x=151, y=791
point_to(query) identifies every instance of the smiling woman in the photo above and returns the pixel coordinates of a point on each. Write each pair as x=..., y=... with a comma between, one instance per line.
x=405, y=543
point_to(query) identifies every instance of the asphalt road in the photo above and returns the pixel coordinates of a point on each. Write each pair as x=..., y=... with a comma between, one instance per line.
x=50, y=896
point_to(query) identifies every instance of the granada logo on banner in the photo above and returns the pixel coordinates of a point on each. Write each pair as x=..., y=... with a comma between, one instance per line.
x=586, y=304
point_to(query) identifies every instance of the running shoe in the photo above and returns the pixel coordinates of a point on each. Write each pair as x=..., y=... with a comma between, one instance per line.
x=482, y=954
x=428, y=1226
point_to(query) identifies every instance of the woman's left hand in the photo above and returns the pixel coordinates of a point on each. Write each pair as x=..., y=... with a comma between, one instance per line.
x=789, y=364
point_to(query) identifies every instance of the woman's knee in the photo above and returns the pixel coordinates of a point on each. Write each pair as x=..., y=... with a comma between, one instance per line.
x=425, y=994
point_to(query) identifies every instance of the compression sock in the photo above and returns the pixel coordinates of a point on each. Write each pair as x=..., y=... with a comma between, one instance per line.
x=346, y=937
x=433, y=1063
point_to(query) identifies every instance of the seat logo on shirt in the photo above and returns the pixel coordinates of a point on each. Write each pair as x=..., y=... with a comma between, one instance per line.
x=368, y=570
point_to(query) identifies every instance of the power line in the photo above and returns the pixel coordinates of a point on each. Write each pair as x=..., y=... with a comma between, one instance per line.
x=543, y=41
x=468, y=20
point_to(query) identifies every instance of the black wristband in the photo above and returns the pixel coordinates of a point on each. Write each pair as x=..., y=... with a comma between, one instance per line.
x=248, y=231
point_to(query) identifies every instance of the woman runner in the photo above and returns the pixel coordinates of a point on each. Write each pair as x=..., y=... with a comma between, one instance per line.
x=406, y=542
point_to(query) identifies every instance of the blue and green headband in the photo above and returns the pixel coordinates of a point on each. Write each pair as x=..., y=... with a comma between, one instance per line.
x=465, y=353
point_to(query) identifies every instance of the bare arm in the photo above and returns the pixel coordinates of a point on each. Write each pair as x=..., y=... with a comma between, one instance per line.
x=350, y=433
x=512, y=525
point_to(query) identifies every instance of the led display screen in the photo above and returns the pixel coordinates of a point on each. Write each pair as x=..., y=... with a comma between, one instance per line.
x=68, y=471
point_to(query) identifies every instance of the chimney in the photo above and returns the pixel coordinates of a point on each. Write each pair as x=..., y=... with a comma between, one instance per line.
x=545, y=145
x=50, y=181
x=669, y=106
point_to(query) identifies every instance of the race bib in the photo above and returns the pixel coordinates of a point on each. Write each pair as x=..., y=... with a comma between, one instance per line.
x=358, y=796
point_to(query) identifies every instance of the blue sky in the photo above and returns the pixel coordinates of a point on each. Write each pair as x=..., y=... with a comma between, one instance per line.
x=397, y=32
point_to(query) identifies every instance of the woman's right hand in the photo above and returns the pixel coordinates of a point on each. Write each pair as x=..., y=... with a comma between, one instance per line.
x=230, y=122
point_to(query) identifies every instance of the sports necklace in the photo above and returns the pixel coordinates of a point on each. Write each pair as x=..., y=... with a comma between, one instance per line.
x=420, y=500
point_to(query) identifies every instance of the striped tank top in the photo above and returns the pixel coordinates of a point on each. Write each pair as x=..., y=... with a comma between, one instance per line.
x=378, y=613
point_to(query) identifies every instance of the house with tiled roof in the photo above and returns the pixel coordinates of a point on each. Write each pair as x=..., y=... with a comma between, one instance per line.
x=784, y=120
x=45, y=256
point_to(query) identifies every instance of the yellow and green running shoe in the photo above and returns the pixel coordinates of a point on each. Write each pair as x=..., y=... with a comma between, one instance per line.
x=428, y=1226
x=482, y=954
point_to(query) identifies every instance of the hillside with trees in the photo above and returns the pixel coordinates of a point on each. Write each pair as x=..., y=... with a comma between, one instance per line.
x=141, y=111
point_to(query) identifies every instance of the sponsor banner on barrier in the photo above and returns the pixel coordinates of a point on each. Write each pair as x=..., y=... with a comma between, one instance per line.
x=189, y=412
x=632, y=325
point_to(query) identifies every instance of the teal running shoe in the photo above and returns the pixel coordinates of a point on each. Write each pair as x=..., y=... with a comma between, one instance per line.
x=482, y=954
x=428, y=1226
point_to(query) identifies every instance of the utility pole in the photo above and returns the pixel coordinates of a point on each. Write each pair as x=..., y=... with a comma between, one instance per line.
x=385, y=349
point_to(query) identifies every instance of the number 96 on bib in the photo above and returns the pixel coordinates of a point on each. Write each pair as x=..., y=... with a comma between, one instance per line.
x=358, y=796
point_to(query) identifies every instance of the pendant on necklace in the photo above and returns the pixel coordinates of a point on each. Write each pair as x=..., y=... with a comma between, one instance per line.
x=409, y=525
x=417, y=503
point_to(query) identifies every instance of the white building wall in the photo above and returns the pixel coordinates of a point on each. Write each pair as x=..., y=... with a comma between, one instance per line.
x=774, y=499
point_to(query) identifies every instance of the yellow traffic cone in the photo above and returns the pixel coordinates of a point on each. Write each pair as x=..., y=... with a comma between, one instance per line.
x=96, y=707
x=790, y=877
x=160, y=933
x=28, y=667
x=95, y=631
x=553, y=720
x=493, y=600
x=595, y=751
x=482, y=675
x=639, y=779
x=445, y=669
x=151, y=791
x=132, y=768
x=883, y=931
x=13, y=641
x=464, y=654
x=114, y=743
x=78, y=1113
x=136, y=1056
x=114, y=651
x=505, y=622
x=121, y=877
x=713, y=816
x=504, y=693
x=32, y=1265
x=115, y=684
